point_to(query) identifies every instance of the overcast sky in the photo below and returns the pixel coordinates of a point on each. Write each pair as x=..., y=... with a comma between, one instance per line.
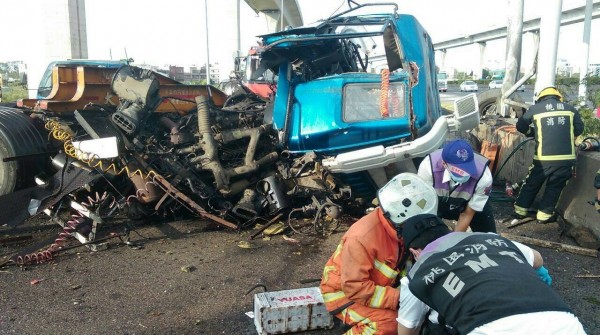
x=173, y=32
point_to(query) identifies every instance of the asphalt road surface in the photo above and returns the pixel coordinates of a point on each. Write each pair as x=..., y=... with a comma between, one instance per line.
x=189, y=278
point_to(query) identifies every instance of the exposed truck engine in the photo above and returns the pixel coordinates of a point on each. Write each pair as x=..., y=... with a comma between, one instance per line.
x=356, y=103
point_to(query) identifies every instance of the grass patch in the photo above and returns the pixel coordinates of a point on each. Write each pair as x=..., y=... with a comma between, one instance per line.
x=449, y=105
x=13, y=93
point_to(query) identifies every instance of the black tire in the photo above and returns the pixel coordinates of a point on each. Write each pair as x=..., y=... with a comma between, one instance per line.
x=468, y=137
x=19, y=136
x=489, y=103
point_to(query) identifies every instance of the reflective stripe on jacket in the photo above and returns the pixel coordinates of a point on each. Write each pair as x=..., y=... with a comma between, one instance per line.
x=363, y=267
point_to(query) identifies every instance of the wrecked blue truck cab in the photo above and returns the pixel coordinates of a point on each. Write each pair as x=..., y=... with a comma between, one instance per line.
x=338, y=112
x=360, y=90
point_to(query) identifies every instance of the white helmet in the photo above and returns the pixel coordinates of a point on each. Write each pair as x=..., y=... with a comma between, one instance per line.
x=405, y=196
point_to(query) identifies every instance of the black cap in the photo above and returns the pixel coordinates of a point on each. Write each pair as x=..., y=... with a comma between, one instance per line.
x=416, y=226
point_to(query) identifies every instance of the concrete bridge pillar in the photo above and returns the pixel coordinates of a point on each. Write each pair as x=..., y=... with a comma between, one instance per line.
x=514, y=38
x=549, y=33
x=279, y=13
x=478, y=73
x=585, y=51
x=442, y=64
x=68, y=36
x=64, y=36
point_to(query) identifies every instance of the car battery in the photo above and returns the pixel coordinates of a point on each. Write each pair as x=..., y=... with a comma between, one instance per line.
x=289, y=311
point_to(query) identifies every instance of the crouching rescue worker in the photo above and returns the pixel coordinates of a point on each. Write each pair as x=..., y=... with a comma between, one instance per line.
x=554, y=124
x=479, y=283
x=359, y=283
x=463, y=182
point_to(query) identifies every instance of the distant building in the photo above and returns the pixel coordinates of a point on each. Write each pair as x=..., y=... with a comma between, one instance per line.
x=214, y=73
x=594, y=69
x=176, y=72
x=194, y=74
x=564, y=68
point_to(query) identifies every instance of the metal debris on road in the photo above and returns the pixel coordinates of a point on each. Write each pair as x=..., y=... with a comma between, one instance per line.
x=517, y=222
x=289, y=239
x=248, y=245
x=36, y=281
x=274, y=229
x=188, y=268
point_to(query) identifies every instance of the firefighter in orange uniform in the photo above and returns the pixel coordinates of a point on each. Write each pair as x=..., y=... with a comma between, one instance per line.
x=360, y=278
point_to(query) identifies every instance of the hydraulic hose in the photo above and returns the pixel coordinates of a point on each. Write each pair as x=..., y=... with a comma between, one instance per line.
x=587, y=144
x=498, y=196
x=505, y=198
